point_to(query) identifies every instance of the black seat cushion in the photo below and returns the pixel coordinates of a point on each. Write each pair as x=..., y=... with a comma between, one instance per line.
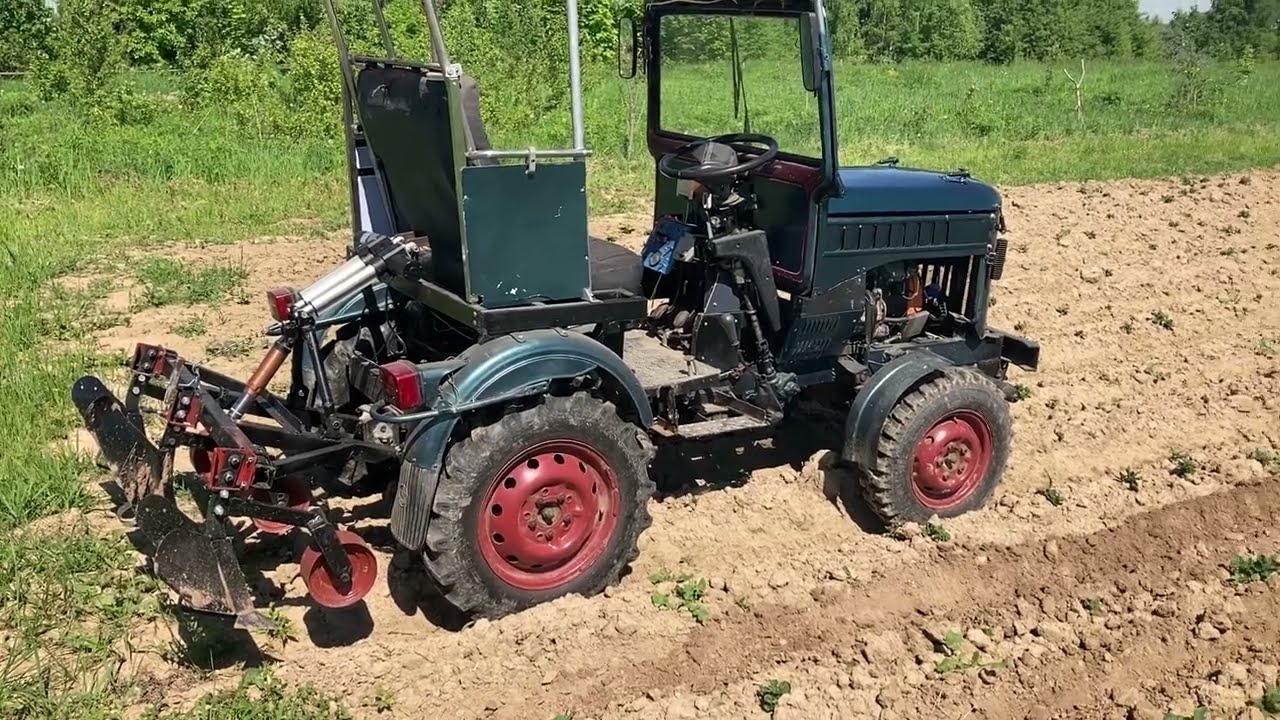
x=614, y=267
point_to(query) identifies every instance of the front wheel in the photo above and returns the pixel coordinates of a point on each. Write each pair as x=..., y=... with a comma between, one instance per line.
x=544, y=502
x=942, y=451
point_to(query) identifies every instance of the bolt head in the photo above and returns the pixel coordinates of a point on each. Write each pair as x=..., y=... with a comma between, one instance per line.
x=219, y=510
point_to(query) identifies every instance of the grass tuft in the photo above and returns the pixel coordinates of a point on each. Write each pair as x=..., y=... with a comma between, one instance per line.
x=169, y=282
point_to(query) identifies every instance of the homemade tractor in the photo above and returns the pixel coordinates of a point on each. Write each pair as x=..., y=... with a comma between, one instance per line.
x=505, y=378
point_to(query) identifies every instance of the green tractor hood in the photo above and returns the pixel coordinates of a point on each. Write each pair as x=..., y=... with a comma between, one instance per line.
x=902, y=191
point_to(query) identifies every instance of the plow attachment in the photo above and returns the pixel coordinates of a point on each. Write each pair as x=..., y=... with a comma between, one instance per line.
x=200, y=566
x=251, y=470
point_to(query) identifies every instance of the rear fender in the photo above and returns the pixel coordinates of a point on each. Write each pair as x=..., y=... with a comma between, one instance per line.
x=878, y=397
x=509, y=366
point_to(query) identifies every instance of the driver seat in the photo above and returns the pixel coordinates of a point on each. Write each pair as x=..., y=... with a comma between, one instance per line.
x=405, y=116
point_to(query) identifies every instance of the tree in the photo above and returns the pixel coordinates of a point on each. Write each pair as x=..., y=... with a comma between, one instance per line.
x=25, y=27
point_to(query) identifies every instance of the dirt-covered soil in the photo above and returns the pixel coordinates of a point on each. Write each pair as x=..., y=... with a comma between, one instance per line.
x=1157, y=307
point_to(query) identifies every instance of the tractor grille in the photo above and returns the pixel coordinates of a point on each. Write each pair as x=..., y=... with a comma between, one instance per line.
x=998, y=257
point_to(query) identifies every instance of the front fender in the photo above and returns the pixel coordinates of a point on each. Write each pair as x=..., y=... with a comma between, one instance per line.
x=508, y=366
x=877, y=399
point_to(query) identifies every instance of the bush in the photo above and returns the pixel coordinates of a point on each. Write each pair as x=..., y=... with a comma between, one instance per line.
x=313, y=92
x=25, y=26
x=85, y=57
x=1195, y=91
x=126, y=105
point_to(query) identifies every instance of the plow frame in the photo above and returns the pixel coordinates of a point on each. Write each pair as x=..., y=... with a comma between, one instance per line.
x=239, y=459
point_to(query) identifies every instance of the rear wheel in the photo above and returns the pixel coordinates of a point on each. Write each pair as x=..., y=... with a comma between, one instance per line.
x=942, y=451
x=544, y=502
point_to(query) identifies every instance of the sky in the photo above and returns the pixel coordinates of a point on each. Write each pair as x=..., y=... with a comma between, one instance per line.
x=1164, y=8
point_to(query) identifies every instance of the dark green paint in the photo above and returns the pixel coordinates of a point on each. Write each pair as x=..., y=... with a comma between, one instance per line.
x=526, y=233
x=892, y=191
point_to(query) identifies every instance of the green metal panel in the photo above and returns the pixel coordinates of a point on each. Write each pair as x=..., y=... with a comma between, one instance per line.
x=525, y=233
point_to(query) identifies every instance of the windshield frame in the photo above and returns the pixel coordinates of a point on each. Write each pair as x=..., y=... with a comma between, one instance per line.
x=654, y=71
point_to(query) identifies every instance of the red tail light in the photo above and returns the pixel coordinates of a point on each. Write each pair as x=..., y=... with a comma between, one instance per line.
x=401, y=385
x=281, y=301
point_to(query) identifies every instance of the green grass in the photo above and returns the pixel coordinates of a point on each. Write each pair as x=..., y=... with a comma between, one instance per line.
x=193, y=326
x=67, y=602
x=169, y=282
x=260, y=696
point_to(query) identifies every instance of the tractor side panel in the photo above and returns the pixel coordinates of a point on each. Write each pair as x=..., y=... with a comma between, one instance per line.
x=526, y=234
x=854, y=244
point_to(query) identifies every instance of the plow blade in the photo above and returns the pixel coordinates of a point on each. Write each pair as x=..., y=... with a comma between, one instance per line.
x=121, y=440
x=199, y=563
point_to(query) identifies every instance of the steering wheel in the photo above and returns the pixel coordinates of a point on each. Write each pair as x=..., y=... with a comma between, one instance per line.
x=768, y=151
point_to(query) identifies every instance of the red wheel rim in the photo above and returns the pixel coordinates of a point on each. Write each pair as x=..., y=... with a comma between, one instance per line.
x=290, y=491
x=951, y=460
x=320, y=580
x=549, y=515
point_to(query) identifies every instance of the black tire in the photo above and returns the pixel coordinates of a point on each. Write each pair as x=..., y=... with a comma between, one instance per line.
x=454, y=558
x=892, y=489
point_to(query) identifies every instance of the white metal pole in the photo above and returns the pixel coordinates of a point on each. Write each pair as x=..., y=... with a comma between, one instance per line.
x=575, y=79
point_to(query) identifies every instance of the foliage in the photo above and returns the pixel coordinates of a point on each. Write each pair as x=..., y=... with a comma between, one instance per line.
x=1184, y=466
x=67, y=603
x=1194, y=90
x=686, y=593
x=25, y=26
x=1130, y=479
x=769, y=694
x=956, y=657
x=260, y=696
x=1053, y=495
x=85, y=55
x=169, y=282
x=1247, y=569
x=936, y=532
x=182, y=33
x=1270, y=700
x=1229, y=27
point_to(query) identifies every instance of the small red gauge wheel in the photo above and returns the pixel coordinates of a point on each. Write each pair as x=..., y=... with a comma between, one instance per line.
x=324, y=587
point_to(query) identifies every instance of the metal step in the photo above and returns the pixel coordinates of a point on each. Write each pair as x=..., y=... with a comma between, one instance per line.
x=720, y=426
